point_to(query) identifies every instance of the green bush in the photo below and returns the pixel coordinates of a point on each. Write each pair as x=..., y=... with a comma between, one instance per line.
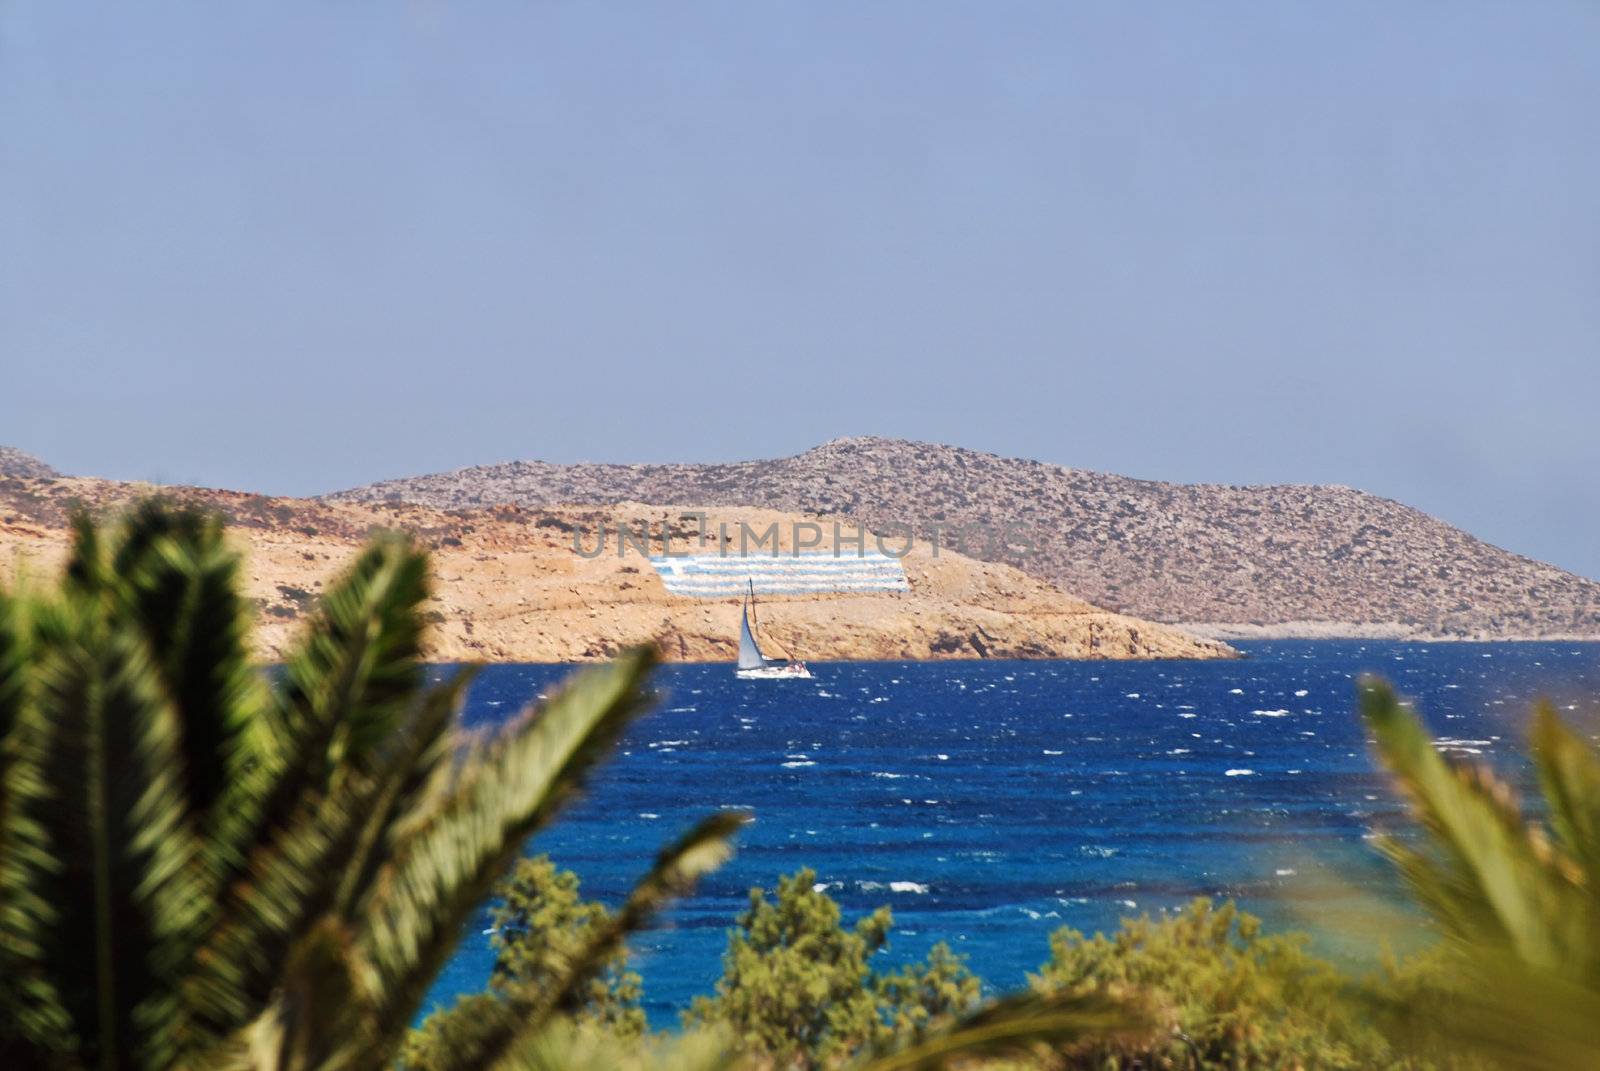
x=540, y=927
x=797, y=985
x=1225, y=994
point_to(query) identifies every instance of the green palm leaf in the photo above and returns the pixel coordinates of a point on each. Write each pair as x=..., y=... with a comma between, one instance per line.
x=178, y=583
x=1522, y=913
x=33, y=1021
x=122, y=876
x=509, y=787
x=1487, y=880
x=503, y=1028
x=1015, y=1027
x=412, y=777
x=1569, y=772
x=353, y=675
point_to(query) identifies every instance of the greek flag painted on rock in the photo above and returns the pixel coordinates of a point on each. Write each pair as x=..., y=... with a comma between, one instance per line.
x=714, y=576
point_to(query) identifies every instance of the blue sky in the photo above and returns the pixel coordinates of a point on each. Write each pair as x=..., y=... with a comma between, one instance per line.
x=297, y=246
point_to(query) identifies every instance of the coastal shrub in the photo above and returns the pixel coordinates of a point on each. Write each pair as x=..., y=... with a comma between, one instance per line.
x=540, y=925
x=798, y=987
x=1225, y=994
x=1517, y=897
x=799, y=993
x=201, y=865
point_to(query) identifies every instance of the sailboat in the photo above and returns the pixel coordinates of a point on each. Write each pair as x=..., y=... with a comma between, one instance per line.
x=755, y=666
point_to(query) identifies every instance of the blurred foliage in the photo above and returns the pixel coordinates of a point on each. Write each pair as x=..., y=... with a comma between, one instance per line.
x=1516, y=897
x=204, y=867
x=1225, y=995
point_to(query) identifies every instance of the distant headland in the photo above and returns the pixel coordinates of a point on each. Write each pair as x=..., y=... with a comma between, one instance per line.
x=514, y=584
x=1231, y=561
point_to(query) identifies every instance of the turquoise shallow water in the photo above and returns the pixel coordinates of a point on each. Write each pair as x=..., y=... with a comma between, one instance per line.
x=990, y=803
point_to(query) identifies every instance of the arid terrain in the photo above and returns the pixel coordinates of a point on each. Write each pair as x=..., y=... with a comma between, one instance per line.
x=1229, y=561
x=509, y=586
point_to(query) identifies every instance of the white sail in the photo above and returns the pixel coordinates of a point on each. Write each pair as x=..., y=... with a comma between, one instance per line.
x=750, y=656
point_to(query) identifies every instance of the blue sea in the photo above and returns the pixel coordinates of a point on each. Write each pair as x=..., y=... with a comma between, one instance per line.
x=991, y=803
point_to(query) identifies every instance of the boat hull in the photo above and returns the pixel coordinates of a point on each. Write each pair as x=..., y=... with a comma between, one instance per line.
x=774, y=673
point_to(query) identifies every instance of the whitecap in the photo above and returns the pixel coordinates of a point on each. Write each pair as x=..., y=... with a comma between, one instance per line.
x=1280, y=713
x=1301, y=693
x=1239, y=773
x=1131, y=695
x=1047, y=751
x=908, y=887
x=1235, y=691
x=1284, y=872
x=648, y=814
x=792, y=764
x=888, y=776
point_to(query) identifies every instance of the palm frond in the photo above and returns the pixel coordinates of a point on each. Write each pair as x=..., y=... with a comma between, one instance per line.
x=509, y=1026
x=178, y=583
x=352, y=675
x=286, y=885
x=122, y=874
x=86, y=568
x=1015, y=1027
x=33, y=1021
x=1487, y=880
x=412, y=774
x=1499, y=1013
x=317, y=1017
x=1569, y=773
x=507, y=789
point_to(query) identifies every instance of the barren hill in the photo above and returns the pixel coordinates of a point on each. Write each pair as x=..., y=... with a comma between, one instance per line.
x=14, y=462
x=1276, y=560
x=509, y=584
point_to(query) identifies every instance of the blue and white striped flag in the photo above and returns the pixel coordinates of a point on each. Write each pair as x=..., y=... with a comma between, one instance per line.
x=713, y=576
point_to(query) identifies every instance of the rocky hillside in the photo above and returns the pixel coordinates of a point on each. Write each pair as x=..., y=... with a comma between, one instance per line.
x=1282, y=560
x=14, y=462
x=509, y=585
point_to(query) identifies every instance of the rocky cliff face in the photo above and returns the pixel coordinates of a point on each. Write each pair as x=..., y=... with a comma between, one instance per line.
x=1280, y=560
x=509, y=584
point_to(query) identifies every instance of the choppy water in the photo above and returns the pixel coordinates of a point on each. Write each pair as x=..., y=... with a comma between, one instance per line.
x=990, y=803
